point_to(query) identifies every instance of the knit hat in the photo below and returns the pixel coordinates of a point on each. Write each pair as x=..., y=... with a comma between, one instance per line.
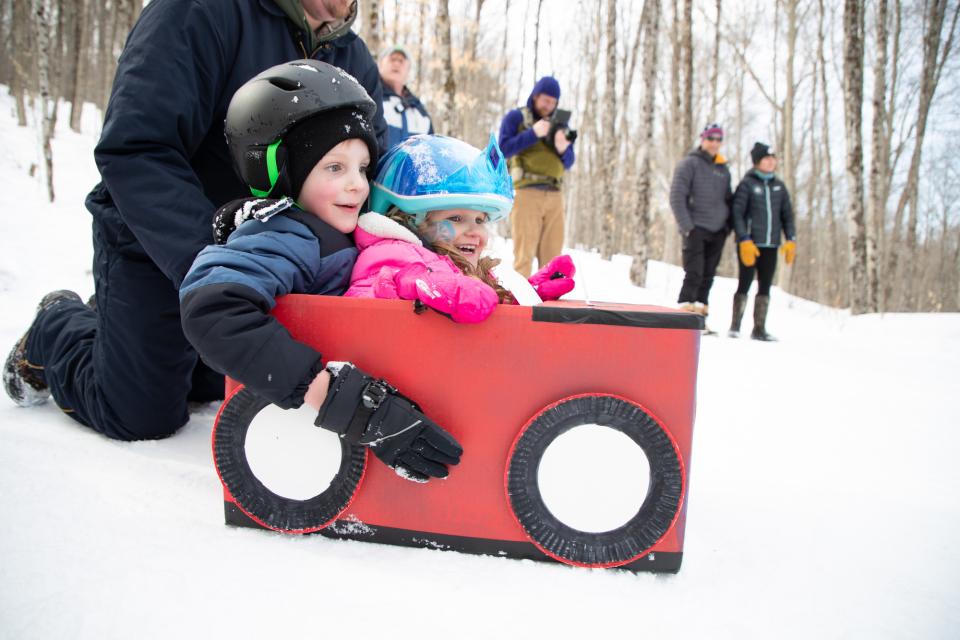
x=310, y=140
x=760, y=151
x=712, y=130
x=546, y=85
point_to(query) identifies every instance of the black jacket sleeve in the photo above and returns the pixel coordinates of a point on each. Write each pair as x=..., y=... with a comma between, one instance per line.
x=241, y=339
x=168, y=81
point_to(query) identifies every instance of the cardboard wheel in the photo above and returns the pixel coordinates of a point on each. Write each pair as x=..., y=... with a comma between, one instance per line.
x=258, y=501
x=626, y=543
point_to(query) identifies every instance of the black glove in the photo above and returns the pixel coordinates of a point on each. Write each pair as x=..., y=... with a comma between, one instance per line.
x=370, y=412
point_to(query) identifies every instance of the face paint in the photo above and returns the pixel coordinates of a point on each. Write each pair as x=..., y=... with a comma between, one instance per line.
x=442, y=231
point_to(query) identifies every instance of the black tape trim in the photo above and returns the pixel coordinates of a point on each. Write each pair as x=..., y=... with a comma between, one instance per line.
x=271, y=510
x=636, y=536
x=658, y=562
x=598, y=315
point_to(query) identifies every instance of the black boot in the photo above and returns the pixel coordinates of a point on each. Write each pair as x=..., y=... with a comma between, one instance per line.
x=23, y=380
x=739, y=305
x=760, y=306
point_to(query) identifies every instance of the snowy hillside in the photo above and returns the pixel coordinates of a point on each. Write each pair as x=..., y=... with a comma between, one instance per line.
x=824, y=497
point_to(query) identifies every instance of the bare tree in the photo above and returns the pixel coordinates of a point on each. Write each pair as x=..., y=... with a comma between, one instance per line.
x=372, y=27
x=686, y=52
x=879, y=155
x=715, y=69
x=650, y=21
x=853, y=104
x=609, y=134
x=536, y=41
x=448, y=113
x=44, y=20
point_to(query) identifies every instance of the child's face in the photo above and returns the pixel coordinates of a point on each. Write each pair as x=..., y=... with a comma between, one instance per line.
x=337, y=186
x=465, y=229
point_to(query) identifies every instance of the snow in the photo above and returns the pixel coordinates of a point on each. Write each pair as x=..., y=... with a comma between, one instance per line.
x=823, y=497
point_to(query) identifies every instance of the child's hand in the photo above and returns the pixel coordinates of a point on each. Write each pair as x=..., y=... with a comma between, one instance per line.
x=363, y=410
x=555, y=279
x=462, y=298
x=317, y=391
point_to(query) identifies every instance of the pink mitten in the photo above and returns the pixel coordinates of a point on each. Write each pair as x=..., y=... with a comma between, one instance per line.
x=463, y=298
x=555, y=279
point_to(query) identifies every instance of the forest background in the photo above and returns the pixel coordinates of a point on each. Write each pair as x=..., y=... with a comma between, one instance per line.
x=860, y=100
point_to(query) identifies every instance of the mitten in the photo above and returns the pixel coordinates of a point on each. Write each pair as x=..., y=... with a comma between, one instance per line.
x=364, y=410
x=789, y=251
x=555, y=279
x=748, y=252
x=462, y=298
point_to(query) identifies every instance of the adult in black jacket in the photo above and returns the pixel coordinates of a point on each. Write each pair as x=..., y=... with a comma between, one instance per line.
x=700, y=200
x=761, y=214
x=126, y=370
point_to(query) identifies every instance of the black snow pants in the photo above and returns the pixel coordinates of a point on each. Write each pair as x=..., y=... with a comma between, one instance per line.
x=701, y=255
x=125, y=370
x=765, y=267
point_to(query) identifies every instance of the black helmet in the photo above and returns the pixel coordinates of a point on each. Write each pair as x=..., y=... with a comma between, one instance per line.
x=266, y=107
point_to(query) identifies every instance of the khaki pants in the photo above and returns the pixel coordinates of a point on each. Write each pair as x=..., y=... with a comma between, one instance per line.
x=536, y=223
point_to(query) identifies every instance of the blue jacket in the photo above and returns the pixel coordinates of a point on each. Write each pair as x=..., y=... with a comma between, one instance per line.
x=405, y=116
x=162, y=156
x=226, y=297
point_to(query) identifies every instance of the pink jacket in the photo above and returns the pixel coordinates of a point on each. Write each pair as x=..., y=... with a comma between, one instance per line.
x=393, y=263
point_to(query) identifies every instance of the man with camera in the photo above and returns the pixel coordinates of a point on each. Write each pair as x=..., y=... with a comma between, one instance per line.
x=538, y=142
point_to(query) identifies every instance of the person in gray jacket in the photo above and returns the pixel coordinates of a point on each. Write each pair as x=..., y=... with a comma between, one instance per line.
x=700, y=197
x=762, y=213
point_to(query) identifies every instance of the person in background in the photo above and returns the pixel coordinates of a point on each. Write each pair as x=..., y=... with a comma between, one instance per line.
x=700, y=198
x=762, y=213
x=404, y=113
x=125, y=369
x=537, y=167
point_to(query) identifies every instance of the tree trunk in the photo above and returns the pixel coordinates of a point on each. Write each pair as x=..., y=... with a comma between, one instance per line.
x=536, y=41
x=686, y=50
x=651, y=33
x=448, y=110
x=609, y=158
x=77, y=71
x=43, y=23
x=372, y=28
x=853, y=104
x=715, y=71
x=833, y=254
x=879, y=155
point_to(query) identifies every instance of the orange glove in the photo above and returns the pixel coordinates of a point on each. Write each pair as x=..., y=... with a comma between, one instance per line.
x=789, y=251
x=748, y=252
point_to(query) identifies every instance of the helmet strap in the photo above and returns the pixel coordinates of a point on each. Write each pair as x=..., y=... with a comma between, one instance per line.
x=272, y=172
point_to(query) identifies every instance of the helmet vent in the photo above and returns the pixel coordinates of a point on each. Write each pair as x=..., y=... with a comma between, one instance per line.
x=286, y=84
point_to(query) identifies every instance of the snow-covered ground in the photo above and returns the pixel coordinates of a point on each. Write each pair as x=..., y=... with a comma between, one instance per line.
x=824, y=497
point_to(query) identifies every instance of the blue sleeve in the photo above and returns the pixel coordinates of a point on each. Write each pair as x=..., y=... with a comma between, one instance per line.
x=568, y=157
x=169, y=77
x=273, y=258
x=511, y=143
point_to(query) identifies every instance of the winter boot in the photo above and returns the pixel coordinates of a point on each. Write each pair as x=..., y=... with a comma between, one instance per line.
x=22, y=380
x=689, y=306
x=739, y=306
x=760, y=306
x=704, y=310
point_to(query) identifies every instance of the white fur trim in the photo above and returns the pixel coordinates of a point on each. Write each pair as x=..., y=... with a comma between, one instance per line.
x=383, y=227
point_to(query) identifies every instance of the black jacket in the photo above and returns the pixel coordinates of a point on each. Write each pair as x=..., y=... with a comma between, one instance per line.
x=163, y=159
x=762, y=211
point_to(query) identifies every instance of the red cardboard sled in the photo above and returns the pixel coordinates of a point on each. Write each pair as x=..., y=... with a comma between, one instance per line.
x=505, y=388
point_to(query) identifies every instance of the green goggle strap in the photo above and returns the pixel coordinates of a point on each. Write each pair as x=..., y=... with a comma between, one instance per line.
x=272, y=172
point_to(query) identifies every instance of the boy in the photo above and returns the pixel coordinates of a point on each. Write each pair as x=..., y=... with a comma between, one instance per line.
x=300, y=130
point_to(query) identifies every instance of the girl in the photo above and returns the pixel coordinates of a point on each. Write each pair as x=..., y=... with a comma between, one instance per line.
x=438, y=197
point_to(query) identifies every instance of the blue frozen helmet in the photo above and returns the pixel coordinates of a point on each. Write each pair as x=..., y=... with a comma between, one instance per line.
x=432, y=172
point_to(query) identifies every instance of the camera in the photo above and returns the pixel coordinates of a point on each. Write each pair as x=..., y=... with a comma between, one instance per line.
x=560, y=121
